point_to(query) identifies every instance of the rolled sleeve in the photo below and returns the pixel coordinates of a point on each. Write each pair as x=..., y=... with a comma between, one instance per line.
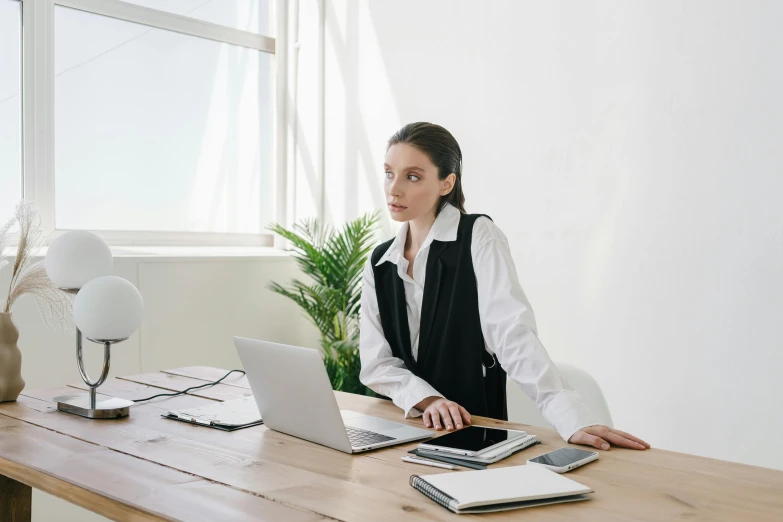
x=568, y=413
x=509, y=329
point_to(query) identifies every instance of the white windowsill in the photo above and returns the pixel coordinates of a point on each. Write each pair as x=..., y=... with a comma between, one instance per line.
x=186, y=252
x=198, y=251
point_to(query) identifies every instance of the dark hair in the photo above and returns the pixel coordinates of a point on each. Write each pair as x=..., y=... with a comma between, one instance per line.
x=444, y=152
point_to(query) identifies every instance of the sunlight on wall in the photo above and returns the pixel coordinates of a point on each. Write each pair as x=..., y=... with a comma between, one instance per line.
x=630, y=152
x=361, y=115
x=380, y=117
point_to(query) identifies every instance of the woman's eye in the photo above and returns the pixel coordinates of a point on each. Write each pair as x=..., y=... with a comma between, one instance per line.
x=390, y=174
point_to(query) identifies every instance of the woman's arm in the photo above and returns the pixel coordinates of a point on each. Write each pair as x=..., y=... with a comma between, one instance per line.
x=509, y=328
x=381, y=371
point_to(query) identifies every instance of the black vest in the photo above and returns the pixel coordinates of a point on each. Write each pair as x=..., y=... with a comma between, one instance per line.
x=451, y=344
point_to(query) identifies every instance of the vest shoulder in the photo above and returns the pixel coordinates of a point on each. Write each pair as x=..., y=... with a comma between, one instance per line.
x=475, y=217
x=381, y=249
x=485, y=229
x=473, y=221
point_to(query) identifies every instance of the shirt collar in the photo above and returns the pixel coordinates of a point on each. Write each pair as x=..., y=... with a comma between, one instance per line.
x=443, y=229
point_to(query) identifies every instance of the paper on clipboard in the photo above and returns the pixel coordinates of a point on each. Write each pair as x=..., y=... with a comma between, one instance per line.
x=227, y=415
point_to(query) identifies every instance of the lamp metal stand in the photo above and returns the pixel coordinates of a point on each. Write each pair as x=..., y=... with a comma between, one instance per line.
x=89, y=404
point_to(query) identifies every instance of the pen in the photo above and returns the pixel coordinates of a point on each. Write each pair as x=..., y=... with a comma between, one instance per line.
x=428, y=463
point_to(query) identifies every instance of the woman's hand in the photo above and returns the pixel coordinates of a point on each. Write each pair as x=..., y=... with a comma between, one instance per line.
x=439, y=412
x=601, y=436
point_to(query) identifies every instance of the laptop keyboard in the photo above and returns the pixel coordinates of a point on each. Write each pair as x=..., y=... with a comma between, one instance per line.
x=361, y=438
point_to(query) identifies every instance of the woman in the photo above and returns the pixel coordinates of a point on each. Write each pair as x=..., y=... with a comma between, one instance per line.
x=443, y=349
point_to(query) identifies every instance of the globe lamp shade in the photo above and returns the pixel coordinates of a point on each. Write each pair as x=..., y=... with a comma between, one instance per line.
x=77, y=257
x=108, y=308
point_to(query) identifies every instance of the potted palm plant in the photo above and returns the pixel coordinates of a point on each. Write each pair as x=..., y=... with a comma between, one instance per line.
x=334, y=260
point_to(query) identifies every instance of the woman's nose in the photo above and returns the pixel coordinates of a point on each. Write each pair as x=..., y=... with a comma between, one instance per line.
x=394, y=187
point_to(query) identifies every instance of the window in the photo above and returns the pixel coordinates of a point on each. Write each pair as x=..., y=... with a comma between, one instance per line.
x=162, y=121
x=157, y=130
x=247, y=15
x=10, y=107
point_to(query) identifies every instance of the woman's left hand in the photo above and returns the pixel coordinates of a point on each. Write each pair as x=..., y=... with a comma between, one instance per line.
x=601, y=437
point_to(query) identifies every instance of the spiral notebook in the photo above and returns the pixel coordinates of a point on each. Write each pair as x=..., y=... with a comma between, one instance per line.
x=499, y=489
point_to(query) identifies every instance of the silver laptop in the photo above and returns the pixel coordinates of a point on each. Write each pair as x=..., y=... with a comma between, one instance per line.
x=294, y=395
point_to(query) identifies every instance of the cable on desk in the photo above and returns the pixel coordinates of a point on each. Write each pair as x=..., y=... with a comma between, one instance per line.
x=191, y=388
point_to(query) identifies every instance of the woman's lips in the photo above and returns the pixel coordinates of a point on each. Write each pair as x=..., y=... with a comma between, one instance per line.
x=396, y=208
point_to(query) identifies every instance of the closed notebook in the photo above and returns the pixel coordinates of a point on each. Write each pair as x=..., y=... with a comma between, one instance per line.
x=499, y=489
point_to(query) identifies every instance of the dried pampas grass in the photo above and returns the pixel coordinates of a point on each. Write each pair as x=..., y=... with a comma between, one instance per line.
x=31, y=278
x=4, y=233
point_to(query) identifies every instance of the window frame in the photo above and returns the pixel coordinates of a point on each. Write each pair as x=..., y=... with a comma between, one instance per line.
x=38, y=111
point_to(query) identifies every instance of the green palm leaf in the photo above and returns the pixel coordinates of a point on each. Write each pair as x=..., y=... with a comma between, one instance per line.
x=335, y=261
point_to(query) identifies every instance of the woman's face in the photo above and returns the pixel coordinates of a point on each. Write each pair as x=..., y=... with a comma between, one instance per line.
x=411, y=182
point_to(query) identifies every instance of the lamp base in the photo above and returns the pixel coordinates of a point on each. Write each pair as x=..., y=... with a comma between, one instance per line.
x=105, y=407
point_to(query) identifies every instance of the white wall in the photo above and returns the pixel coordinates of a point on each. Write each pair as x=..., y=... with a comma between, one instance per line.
x=631, y=153
x=193, y=306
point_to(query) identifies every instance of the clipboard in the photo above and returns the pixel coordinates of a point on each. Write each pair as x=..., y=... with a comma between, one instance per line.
x=227, y=416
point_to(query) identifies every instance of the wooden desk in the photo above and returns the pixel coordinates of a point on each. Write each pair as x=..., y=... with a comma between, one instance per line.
x=145, y=467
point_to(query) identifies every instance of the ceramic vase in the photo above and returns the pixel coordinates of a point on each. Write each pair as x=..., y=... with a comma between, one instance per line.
x=11, y=382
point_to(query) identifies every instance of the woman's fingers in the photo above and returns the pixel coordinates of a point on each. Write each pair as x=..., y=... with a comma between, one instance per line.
x=465, y=415
x=583, y=437
x=619, y=440
x=435, y=418
x=456, y=415
x=598, y=442
x=445, y=414
x=630, y=437
x=616, y=437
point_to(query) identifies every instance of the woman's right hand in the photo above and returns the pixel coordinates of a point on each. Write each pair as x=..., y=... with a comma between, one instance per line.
x=442, y=413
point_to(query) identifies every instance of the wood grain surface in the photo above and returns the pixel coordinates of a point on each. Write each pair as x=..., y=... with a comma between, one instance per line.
x=145, y=467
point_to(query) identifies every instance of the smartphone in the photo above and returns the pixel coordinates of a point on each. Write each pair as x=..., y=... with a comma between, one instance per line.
x=564, y=459
x=472, y=441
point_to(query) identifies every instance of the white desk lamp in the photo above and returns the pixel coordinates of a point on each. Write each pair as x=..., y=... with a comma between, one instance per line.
x=76, y=258
x=107, y=310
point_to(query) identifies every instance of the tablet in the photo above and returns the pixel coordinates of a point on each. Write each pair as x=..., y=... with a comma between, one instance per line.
x=473, y=440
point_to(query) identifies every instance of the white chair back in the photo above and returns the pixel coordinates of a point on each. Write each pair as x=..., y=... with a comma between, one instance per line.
x=522, y=409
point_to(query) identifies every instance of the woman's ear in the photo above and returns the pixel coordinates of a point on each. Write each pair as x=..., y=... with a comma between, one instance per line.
x=447, y=184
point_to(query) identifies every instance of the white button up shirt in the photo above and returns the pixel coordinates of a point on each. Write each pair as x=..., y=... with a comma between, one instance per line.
x=507, y=323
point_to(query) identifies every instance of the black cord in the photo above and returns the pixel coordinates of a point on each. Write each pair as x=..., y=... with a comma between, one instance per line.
x=191, y=388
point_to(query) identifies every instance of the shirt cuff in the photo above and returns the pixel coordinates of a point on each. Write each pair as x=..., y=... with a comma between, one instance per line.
x=419, y=391
x=568, y=413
